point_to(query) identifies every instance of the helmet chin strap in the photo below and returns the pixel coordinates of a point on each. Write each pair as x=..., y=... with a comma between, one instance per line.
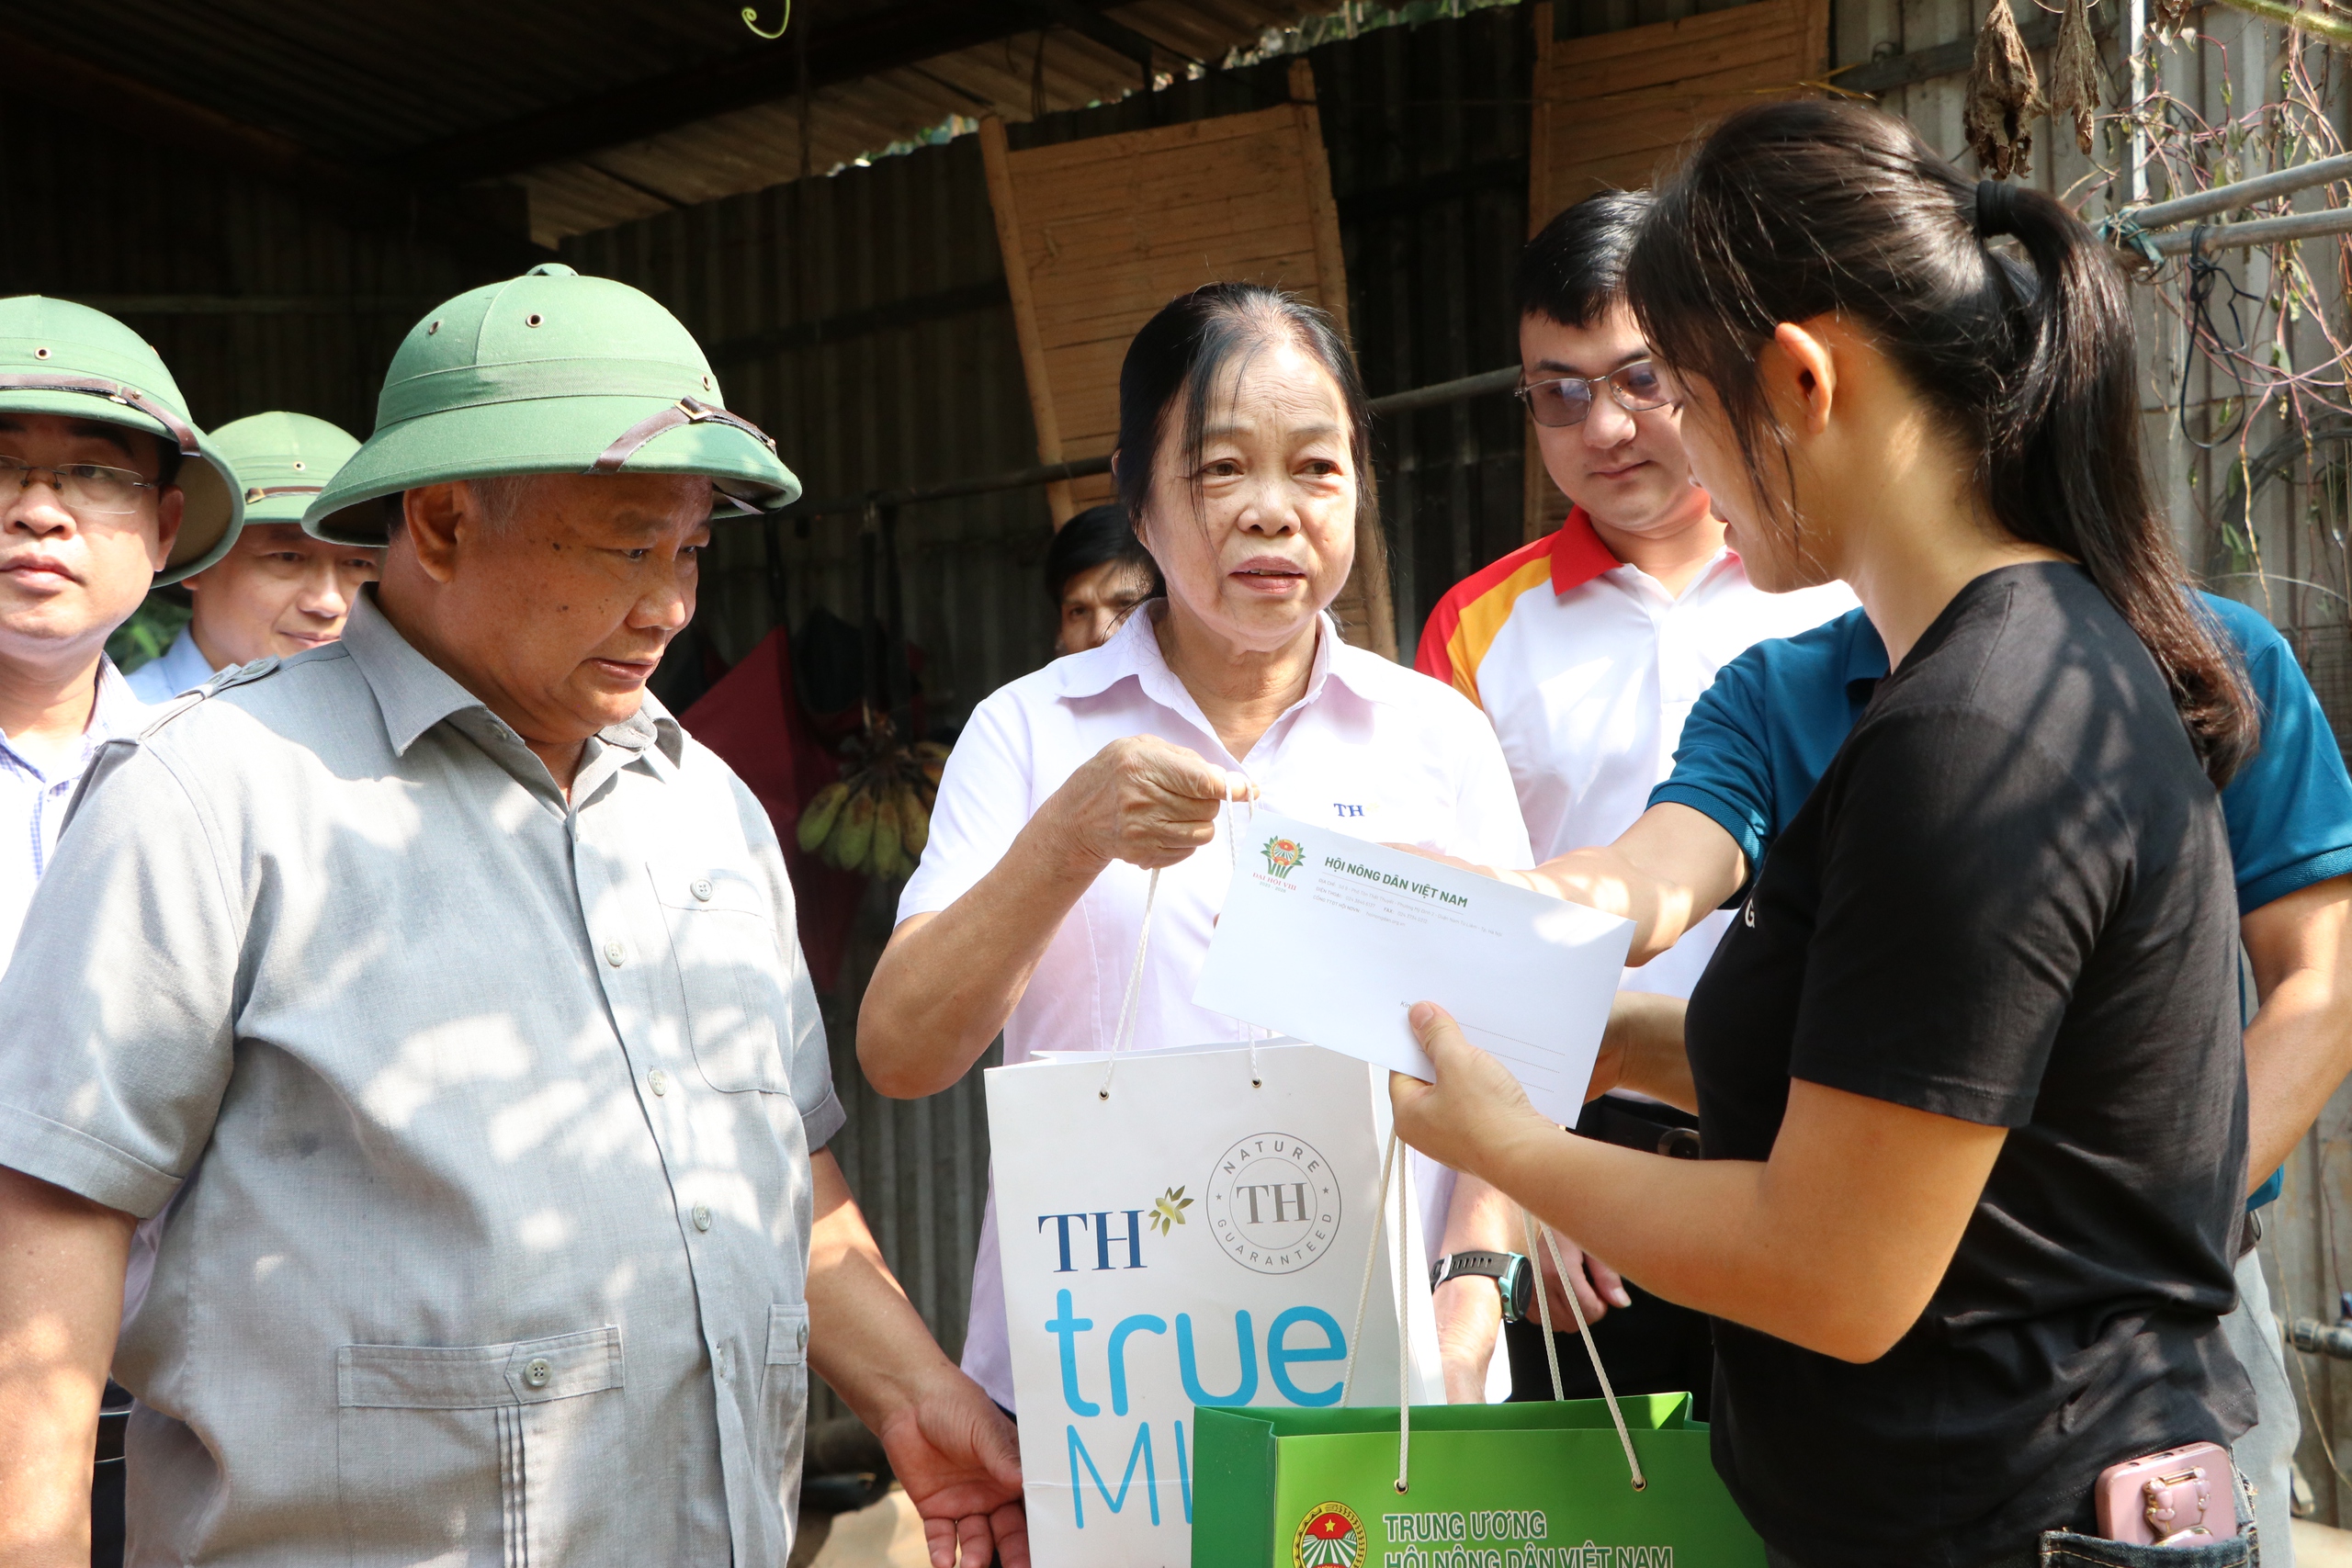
x=685, y=410
x=182, y=433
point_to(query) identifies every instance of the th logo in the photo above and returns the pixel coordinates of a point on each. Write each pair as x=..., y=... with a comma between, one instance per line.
x=1099, y=1223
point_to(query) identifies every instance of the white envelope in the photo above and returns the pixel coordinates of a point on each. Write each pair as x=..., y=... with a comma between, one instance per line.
x=1330, y=938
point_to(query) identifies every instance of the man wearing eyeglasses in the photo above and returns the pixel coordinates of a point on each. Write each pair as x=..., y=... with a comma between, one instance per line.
x=1587, y=649
x=278, y=592
x=106, y=490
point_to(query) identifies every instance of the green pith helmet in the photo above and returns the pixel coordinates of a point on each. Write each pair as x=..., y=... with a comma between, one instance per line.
x=57, y=357
x=281, y=460
x=548, y=373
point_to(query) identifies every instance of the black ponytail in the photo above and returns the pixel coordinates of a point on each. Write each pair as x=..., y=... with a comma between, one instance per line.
x=1793, y=211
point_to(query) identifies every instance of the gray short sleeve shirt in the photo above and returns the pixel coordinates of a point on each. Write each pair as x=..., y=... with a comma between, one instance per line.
x=479, y=1120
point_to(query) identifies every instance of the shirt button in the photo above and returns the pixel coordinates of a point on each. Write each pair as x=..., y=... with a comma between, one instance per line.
x=702, y=1216
x=614, y=952
x=658, y=1081
x=804, y=1337
x=536, y=1371
x=718, y=1361
x=702, y=888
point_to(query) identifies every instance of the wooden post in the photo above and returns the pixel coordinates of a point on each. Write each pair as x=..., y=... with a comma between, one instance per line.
x=1367, y=597
x=1539, y=173
x=1331, y=260
x=1814, y=49
x=994, y=158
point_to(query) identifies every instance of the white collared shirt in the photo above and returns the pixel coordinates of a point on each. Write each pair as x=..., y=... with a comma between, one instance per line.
x=37, y=796
x=179, y=668
x=1587, y=667
x=1373, y=749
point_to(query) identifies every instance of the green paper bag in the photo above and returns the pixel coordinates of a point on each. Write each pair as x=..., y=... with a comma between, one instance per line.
x=1531, y=1485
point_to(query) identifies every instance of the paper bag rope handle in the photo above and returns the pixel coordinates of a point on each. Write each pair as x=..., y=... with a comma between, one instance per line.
x=1131, y=1004
x=1390, y=1164
x=1551, y=1351
x=1402, y=1170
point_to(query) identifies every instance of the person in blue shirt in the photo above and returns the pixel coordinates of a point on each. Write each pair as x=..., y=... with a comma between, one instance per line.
x=1763, y=734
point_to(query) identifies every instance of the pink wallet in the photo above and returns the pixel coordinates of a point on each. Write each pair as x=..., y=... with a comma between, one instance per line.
x=2182, y=1496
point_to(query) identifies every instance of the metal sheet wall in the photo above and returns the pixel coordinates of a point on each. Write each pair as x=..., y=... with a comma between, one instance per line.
x=99, y=212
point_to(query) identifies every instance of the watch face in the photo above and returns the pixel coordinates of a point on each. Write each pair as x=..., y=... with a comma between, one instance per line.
x=1518, y=1288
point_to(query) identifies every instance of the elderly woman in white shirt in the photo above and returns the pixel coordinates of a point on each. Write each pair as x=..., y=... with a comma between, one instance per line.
x=1243, y=460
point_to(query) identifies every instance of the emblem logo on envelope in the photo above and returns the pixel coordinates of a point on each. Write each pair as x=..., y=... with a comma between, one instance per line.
x=1283, y=856
x=1345, y=935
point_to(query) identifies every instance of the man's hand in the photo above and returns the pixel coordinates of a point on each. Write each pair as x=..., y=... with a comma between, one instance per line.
x=949, y=1446
x=960, y=1462
x=1598, y=1286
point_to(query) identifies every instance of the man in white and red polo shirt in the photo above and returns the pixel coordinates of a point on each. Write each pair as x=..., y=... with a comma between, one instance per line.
x=1587, y=647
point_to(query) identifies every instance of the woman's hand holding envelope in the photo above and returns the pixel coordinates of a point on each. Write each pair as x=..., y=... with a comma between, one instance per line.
x=1144, y=801
x=1474, y=1106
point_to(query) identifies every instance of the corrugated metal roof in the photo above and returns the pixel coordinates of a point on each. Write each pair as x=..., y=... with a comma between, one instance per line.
x=431, y=87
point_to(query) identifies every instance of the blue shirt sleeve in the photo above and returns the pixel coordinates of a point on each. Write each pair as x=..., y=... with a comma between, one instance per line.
x=1761, y=735
x=1723, y=766
x=2290, y=808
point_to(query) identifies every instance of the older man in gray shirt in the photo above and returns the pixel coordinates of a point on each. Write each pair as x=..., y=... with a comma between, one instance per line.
x=441, y=994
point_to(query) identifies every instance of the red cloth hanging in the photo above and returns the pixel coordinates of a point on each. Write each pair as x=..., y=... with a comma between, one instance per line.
x=754, y=721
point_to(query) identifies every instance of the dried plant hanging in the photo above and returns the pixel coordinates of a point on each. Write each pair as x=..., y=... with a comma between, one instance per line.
x=2074, y=71
x=752, y=20
x=2003, y=95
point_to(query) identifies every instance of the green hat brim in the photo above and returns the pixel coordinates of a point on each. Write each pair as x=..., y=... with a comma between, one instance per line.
x=214, y=508
x=277, y=509
x=544, y=436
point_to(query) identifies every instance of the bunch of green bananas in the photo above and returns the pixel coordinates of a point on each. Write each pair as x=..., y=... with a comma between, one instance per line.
x=876, y=818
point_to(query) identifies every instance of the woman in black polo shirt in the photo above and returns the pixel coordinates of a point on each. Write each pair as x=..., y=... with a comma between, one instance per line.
x=1967, y=1067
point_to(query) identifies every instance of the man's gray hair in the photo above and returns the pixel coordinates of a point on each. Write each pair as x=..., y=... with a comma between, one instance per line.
x=501, y=496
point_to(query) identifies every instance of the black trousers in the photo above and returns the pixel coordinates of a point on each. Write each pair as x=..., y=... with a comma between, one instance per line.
x=1652, y=1346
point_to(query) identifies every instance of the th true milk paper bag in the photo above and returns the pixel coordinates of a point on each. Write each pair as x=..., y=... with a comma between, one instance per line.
x=1194, y=1238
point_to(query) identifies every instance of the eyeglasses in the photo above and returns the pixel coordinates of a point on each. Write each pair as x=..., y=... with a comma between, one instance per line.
x=1637, y=388
x=83, y=487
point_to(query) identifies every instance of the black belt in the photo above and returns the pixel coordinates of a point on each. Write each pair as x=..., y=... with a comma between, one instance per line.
x=112, y=1425
x=114, y=1420
x=1639, y=1124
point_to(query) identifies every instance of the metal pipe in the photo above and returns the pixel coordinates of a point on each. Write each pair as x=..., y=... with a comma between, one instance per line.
x=2313, y=1337
x=2260, y=232
x=2245, y=192
x=1434, y=396
x=1444, y=392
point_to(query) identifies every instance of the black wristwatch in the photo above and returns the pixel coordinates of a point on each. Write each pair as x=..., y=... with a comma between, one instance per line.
x=1514, y=1281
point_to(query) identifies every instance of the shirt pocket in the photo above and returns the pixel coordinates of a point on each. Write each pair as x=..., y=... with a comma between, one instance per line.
x=724, y=942
x=784, y=1397
x=487, y=1455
